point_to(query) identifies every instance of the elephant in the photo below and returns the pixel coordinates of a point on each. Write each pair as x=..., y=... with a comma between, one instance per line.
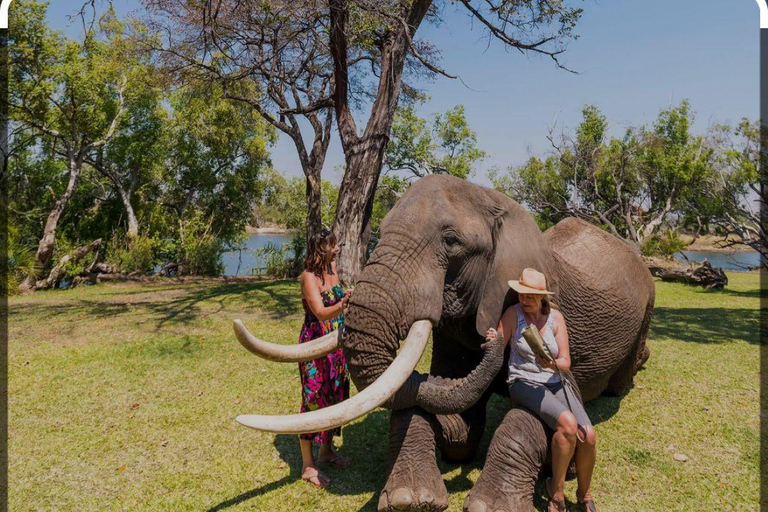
x=445, y=254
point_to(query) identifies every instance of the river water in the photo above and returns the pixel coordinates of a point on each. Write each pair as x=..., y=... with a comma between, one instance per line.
x=244, y=263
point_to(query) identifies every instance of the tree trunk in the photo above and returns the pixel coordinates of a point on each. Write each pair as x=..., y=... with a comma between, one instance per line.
x=364, y=155
x=59, y=271
x=133, y=222
x=314, y=221
x=705, y=275
x=353, y=211
x=48, y=241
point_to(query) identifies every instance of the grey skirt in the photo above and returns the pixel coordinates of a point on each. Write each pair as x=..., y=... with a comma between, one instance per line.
x=547, y=401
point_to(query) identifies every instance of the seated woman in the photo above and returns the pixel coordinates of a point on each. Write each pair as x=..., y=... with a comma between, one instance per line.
x=324, y=381
x=536, y=385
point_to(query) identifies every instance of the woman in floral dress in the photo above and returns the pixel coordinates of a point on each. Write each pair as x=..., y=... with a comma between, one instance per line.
x=324, y=381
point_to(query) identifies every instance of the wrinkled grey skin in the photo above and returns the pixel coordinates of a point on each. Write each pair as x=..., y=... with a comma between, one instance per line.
x=446, y=252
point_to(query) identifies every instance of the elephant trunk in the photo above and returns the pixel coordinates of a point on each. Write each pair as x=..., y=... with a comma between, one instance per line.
x=380, y=314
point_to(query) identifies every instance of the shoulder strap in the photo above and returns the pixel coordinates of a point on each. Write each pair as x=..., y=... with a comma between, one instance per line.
x=520, y=316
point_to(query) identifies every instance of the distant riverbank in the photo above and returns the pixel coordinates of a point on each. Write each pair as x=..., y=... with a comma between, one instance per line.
x=269, y=230
x=713, y=243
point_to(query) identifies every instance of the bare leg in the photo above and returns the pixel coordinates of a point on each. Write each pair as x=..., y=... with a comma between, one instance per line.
x=326, y=454
x=563, y=446
x=586, y=453
x=309, y=471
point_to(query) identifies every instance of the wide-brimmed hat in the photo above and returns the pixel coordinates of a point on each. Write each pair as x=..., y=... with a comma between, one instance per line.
x=532, y=282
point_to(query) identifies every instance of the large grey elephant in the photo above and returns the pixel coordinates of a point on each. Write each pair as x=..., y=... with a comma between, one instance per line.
x=446, y=252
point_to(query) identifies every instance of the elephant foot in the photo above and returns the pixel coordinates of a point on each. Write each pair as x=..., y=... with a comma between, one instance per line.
x=414, y=483
x=459, y=435
x=515, y=458
x=412, y=499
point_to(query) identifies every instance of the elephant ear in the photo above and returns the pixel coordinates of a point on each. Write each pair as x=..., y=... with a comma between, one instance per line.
x=518, y=243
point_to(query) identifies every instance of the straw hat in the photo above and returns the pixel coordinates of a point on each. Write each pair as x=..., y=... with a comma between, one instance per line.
x=531, y=281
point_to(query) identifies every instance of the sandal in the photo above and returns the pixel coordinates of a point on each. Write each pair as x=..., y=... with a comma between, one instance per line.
x=559, y=504
x=337, y=461
x=317, y=479
x=587, y=506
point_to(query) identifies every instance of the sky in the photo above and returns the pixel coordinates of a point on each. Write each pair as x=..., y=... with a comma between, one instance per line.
x=633, y=58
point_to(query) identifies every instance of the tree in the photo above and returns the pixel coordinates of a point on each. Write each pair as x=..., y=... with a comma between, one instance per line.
x=449, y=147
x=282, y=201
x=415, y=149
x=71, y=94
x=387, y=31
x=134, y=156
x=629, y=185
x=280, y=45
x=217, y=152
x=732, y=197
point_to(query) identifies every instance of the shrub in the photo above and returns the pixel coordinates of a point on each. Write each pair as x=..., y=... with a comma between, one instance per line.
x=663, y=244
x=132, y=255
x=286, y=260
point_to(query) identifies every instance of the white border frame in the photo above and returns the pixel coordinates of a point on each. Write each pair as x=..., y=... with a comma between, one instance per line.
x=4, y=4
x=763, y=13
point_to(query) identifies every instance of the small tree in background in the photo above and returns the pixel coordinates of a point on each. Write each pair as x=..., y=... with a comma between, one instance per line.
x=631, y=186
x=70, y=94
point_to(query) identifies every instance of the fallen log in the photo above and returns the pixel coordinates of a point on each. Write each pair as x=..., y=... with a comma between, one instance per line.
x=59, y=272
x=704, y=275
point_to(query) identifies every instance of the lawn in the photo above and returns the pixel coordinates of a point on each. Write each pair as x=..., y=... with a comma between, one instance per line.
x=123, y=397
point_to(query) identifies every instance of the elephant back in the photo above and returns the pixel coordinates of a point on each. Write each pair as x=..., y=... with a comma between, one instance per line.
x=606, y=295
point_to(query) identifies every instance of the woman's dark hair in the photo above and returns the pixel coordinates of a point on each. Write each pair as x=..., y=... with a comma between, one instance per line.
x=546, y=306
x=317, y=249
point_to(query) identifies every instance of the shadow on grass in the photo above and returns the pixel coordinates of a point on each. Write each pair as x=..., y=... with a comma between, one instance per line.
x=183, y=308
x=366, y=444
x=706, y=325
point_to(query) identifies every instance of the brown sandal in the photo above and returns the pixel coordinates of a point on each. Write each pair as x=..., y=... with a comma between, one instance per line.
x=559, y=504
x=338, y=461
x=587, y=506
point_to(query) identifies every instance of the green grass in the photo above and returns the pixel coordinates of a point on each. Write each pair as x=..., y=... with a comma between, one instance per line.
x=123, y=397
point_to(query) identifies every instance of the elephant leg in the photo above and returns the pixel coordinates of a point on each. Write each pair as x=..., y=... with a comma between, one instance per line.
x=414, y=482
x=624, y=376
x=515, y=457
x=459, y=435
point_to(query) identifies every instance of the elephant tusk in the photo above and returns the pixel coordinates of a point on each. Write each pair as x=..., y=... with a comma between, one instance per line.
x=362, y=403
x=288, y=353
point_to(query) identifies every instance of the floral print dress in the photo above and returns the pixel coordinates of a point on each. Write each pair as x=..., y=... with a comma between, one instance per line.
x=324, y=381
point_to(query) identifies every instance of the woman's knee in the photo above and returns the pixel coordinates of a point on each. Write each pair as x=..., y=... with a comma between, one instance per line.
x=567, y=425
x=590, y=438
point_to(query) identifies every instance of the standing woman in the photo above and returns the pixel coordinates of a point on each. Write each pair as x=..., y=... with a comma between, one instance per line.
x=324, y=381
x=536, y=385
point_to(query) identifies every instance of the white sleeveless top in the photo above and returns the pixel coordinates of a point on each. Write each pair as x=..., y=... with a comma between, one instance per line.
x=522, y=361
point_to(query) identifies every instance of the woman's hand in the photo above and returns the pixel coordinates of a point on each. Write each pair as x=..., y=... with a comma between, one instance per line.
x=345, y=298
x=491, y=334
x=545, y=363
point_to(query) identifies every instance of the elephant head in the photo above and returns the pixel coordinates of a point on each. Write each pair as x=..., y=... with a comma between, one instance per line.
x=446, y=252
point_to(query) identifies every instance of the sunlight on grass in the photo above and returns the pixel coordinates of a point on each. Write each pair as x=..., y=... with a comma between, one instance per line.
x=123, y=397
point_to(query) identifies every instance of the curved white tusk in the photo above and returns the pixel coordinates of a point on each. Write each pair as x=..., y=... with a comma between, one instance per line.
x=362, y=403
x=288, y=353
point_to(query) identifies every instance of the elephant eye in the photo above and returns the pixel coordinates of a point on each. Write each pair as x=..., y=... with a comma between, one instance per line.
x=450, y=239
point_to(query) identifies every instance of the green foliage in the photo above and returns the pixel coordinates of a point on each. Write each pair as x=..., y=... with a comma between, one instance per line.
x=283, y=201
x=631, y=186
x=132, y=254
x=663, y=244
x=199, y=250
x=284, y=261
x=21, y=261
x=448, y=147
x=415, y=149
